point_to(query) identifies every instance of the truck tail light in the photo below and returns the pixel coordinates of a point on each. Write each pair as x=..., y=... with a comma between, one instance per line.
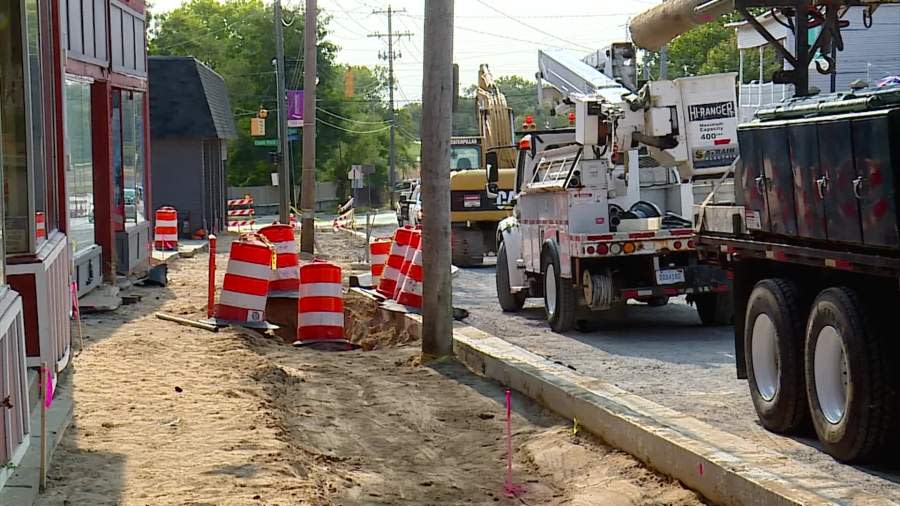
x=602, y=249
x=591, y=250
x=628, y=248
x=677, y=245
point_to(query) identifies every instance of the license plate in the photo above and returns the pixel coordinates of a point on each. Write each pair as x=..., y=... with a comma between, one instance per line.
x=669, y=276
x=472, y=201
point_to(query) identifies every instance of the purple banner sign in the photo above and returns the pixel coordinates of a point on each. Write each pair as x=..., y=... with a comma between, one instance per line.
x=295, y=108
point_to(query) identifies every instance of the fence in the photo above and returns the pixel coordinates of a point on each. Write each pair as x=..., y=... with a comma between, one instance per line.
x=268, y=196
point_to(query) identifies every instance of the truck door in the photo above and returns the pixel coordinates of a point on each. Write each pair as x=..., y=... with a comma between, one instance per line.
x=874, y=182
x=779, y=184
x=838, y=173
x=810, y=208
x=750, y=190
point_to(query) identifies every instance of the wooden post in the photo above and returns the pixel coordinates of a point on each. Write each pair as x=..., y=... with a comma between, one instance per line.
x=45, y=377
x=211, y=296
x=437, y=102
x=308, y=175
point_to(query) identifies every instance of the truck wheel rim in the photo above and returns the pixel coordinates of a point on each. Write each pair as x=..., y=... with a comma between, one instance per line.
x=765, y=357
x=550, y=290
x=832, y=374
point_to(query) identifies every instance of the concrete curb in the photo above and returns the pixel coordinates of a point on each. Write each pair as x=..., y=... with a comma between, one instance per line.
x=724, y=468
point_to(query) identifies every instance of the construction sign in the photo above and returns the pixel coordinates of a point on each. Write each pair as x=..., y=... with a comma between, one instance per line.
x=257, y=127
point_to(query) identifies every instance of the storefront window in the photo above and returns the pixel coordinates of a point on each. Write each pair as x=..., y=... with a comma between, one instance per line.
x=36, y=125
x=130, y=170
x=79, y=164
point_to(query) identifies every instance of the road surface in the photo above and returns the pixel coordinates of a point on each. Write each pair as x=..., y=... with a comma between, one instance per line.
x=662, y=354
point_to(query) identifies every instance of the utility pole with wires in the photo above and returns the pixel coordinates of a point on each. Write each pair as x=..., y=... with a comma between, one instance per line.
x=437, y=118
x=390, y=56
x=308, y=176
x=281, y=155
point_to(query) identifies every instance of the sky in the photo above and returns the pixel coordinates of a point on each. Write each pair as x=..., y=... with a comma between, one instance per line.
x=505, y=34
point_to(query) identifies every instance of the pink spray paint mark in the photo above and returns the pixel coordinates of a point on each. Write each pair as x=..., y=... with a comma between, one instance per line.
x=511, y=489
x=48, y=387
x=74, y=294
x=700, y=468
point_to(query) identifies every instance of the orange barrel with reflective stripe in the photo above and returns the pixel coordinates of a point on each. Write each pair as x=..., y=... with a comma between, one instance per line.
x=391, y=273
x=165, y=231
x=320, y=309
x=414, y=243
x=246, y=285
x=285, y=280
x=379, y=250
x=40, y=225
x=411, y=292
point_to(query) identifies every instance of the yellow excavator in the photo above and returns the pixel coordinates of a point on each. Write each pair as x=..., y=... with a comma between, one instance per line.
x=474, y=215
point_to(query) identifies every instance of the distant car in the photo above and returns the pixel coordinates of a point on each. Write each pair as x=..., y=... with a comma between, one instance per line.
x=130, y=196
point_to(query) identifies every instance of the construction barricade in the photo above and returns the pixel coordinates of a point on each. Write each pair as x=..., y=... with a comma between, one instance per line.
x=285, y=280
x=346, y=218
x=414, y=242
x=379, y=250
x=40, y=226
x=165, y=230
x=241, y=213
x=410, y=294
x=391, y=273
x=320, y=308
x=246, y=285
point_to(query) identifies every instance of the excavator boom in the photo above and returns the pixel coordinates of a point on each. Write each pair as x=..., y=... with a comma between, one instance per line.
x=494, y=118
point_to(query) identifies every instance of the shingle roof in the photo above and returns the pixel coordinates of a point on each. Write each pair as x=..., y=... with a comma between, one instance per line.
x=188, y=99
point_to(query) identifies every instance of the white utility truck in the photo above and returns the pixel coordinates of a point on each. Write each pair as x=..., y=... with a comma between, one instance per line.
x=603, y=212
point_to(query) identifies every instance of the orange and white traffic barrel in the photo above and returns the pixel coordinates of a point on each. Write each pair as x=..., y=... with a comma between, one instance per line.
x=246, y=285
x=40, y=225
x=391, y=273
x=165, y=232
x=285, y=280
x=411, y=292
x=320, y=309
x=414, y=243
x=379, y=250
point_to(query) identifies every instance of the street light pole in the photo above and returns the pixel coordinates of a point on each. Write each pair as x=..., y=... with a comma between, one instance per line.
x=284, y=175
x=308, y=176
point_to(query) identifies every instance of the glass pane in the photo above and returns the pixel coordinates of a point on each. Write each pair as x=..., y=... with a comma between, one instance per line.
x=14, y=131
x=79, y=164
x=140, y=205
x=35, y=74
x=133, y=150
x=118, y=210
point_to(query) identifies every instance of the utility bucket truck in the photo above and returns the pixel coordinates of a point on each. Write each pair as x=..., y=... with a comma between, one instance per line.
x=603, y=211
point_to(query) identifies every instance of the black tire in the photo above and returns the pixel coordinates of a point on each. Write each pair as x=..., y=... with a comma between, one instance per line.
x=864, y=431
x=467, y=248
x=715, y=309
x=786, y=412
x=657, y=301
x=563, y=318
x=509, y=302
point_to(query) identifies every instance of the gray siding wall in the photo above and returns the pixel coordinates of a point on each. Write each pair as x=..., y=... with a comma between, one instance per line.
x=177, y=177
x=872, y=52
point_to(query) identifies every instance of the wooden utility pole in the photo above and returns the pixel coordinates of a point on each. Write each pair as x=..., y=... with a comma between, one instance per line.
x=437, y=114
x=308, y=179
x=281, y=157
x=390, y=57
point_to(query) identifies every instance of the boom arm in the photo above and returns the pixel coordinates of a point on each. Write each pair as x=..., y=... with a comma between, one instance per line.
x=494, y=118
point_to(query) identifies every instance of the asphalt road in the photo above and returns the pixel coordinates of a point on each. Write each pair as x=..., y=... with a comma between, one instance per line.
x=662, y=354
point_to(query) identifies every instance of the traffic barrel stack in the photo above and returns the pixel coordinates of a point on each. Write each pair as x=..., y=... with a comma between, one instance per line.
x=285, y=280
x=379, y=250
x=246, y=285
x=414, y=243
x=320, y=309
x=391, y=274
x=165, y=231
x=411, y=292
x=40, y=225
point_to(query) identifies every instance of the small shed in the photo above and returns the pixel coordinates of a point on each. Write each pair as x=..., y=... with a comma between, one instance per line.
x=190, y=123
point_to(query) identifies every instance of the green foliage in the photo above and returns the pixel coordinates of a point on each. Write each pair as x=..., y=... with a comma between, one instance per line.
x=712, y=49
x=235, y=39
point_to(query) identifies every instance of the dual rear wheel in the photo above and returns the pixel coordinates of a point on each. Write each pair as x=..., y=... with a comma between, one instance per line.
x=823, y=364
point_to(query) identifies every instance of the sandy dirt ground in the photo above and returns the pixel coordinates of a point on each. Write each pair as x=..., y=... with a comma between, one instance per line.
x=172, y=415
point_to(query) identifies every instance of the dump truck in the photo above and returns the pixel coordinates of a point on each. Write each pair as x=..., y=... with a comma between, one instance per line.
x=603, y=210
x=813, y=244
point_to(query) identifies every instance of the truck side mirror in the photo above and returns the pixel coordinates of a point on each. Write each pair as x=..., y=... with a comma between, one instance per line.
x=493, y=169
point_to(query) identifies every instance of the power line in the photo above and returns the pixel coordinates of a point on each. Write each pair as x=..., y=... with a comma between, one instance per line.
x=361, y=122
x=322, y=121
x=526, y=25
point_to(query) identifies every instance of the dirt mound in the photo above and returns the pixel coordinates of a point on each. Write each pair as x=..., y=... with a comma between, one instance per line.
x=371, y=328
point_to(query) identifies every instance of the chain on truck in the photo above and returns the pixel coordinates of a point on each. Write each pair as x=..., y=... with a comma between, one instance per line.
x=602, y=211
x=812, y=236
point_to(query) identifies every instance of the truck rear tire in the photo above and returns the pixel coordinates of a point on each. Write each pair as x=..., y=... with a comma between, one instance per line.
x=509, y=302
x=560, y=303
x=715, y=309
x=847, y=377
x=467, y=248
x=773, y=347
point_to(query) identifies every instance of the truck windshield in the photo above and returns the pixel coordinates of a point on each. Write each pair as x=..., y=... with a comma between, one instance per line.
x=465, y=157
